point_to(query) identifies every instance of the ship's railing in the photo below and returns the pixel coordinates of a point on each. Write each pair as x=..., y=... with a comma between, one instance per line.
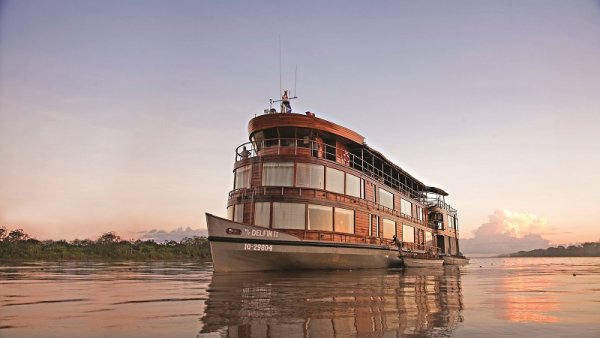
x=308, y=147
x=436, y=202
x=246, y=194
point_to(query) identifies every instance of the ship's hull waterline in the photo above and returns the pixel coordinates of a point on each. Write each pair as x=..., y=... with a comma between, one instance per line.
x=241, y=247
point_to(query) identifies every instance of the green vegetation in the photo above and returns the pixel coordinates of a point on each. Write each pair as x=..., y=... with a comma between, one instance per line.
x=591, y=249
x=17, y=245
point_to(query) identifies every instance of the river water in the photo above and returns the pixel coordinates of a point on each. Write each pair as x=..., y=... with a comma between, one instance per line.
x=523, y=297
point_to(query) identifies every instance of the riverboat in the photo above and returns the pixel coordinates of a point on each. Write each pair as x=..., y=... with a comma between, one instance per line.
x=311, y=194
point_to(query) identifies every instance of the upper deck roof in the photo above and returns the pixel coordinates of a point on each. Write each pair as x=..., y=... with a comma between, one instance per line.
x=267, y=121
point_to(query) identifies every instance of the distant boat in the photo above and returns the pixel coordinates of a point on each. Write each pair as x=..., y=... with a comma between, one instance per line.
x=311, y=194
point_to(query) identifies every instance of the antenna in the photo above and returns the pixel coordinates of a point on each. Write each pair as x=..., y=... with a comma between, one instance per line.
x=296, y=81
x=280, y=90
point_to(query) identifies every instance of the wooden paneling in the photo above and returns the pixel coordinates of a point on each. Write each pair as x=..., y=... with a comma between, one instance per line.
x=361, y=223
x=267, y=121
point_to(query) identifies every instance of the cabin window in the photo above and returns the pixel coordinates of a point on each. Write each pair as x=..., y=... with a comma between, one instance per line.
x=408, y=233
x=230, y=212
x=405, y=207
x=288, y=215
x=310, y=175
x=389, y=228
x=242, y=177
x=238, y=215
x=386, y=198
x=428, y=238
x=344, y=220
x=262, y=214
x=335, y=180
x=320, y=217
x=278, y=174
x=354, y=186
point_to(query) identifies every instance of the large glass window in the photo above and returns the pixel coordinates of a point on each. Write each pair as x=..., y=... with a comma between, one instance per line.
x=310, y=175
x=238, y=215
x=288, y=215
x=335, y=180
x=408, y=233
x=354, y=186
x=242, y=177
x=389, y=228
x=428, y=238
x=320, y=217
x=344, y=220
x=262, y=214
x=386, y=198
x=406, y=207
x=278, y=174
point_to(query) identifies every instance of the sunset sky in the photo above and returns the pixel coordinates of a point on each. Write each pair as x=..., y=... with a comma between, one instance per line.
x=124, y=115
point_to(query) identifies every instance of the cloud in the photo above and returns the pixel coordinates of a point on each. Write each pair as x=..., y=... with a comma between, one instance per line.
x=507, y=232
x=160, y=236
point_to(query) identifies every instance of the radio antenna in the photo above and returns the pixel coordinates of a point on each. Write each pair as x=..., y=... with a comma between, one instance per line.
x=280, y=86
x=296, y=81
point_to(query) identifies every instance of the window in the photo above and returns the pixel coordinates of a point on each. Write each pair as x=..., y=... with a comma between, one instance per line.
x=278, y=174
x=288, y=215
x=310, y=175
x=386, y=198
x=420, y=213
x=389, y=228
x=242, y=177
x=335, y=180
x=262, y=214
x=408, y=233
x=450, y=222
x=230, y=212
x=354, y=186
x=428, y=238
x=406, y=207
x=238, y=215
x=344, y=220
x=320, y=217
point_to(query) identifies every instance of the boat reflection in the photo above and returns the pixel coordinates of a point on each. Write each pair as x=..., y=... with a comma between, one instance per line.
x=334, y=304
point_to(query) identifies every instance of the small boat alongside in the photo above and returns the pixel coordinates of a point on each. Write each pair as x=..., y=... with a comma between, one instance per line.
x=411, y=262
x=455, y=260
x=311, y=194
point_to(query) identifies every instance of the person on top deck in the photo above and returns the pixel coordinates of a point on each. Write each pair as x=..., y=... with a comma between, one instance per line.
x=285, y=102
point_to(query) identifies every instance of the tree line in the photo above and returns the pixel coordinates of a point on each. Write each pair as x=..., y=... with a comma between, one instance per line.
x=589, y=249
x=17, y=244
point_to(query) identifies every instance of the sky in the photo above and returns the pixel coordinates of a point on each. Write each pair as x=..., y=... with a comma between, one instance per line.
x=124, y=115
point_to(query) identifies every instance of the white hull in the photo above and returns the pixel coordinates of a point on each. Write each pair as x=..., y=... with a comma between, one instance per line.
x=410, y=262
x=241, y=247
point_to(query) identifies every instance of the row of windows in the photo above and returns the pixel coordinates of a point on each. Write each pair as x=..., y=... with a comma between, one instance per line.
x=317, y=176
x=301, y=216
x=308, y=175
x=298, y=216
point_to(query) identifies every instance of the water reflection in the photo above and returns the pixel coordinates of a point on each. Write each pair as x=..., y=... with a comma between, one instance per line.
x=334, y=304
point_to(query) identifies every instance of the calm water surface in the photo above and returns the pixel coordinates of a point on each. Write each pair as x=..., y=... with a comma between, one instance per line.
x=532, y=297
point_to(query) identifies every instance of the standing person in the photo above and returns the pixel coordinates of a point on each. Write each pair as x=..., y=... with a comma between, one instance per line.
x=285, y=102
